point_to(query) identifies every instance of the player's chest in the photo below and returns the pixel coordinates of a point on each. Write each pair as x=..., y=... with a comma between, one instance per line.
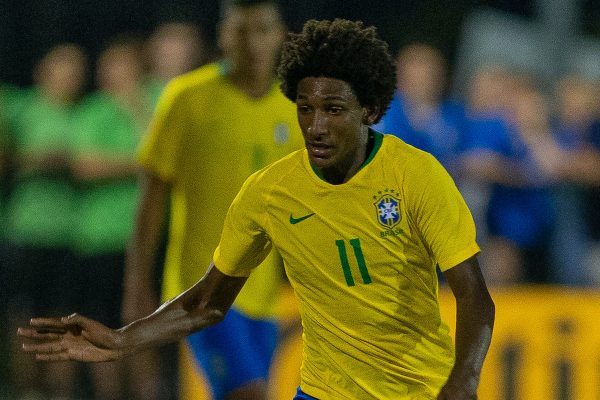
x=356, y=236
x=241, y=141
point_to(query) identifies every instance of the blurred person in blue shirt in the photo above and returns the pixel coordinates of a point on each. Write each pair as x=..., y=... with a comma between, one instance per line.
x=593, y=209
x=577, y=173
x=507, y=142
x=419, y=113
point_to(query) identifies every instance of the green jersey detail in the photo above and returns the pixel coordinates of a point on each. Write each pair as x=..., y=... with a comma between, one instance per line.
x=294, y=221
x=360, y=259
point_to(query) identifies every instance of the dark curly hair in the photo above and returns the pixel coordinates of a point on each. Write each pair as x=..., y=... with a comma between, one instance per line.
x=344, y=50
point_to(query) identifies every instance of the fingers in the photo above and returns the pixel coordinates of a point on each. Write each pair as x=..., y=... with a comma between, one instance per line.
x=63, y=324
x=53, y=357
x=48, y=351
x=40, y=334
x=70, y=338
x=81, y=321
x=47, y=347
x=94, y=331
x=48, y=323
x=45, y=339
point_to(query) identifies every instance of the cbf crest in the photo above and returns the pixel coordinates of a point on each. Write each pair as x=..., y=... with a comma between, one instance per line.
x=388, y=207
x=281, y=133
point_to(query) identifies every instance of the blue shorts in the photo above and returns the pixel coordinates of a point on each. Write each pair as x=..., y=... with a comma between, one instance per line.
x=236, y=351
x=300, y=395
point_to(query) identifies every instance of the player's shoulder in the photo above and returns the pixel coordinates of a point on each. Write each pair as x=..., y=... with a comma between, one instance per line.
x=194, y=80
x=409, y=161
x=398, y=149
x=282, y=170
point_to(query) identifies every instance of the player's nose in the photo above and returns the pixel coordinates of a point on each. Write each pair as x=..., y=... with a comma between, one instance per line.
x=318, y=124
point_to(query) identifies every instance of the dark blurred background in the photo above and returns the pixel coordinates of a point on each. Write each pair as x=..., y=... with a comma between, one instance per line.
x=28, y=28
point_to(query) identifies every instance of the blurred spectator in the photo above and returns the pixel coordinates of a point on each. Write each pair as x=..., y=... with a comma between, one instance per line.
x=578, y=101
x=419, y=114
x=7, y=95
x=507, y=146
x=4, y=152
x=120, y=73
x=109, y=127
x=577, y=172
x=175, y=48
x=39, y=215
x=592, y=214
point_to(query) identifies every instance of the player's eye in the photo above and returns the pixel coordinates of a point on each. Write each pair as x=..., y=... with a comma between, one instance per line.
x=334, y=109
x=303, y=108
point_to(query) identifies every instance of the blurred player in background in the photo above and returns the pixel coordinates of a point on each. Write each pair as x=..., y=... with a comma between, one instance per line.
x=212, y=128
x=361, y=220
x=173, y=49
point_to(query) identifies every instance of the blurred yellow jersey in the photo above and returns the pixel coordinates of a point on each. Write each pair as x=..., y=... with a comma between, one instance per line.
x=361, y=257
x=205, y=139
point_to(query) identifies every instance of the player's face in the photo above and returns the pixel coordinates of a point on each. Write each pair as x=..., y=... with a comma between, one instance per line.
x=333, y=124
x=251, y=37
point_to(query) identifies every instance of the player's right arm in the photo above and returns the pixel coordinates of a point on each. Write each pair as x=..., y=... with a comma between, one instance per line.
x=139, y=295
x=78, y=338
x=244, y=245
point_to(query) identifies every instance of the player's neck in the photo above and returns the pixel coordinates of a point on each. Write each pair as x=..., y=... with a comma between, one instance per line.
x=345, y=171
x=253, y=85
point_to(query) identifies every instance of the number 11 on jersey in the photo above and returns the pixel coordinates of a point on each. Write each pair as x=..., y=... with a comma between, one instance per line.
x=360, y=259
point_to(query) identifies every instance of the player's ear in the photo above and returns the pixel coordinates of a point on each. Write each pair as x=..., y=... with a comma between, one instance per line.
x=370, y=114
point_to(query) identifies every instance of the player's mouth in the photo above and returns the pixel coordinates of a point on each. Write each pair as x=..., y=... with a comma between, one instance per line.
x=319, y=150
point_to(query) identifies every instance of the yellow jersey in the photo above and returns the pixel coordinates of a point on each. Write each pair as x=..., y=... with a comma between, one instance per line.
x=206, y=138
x=361, y=257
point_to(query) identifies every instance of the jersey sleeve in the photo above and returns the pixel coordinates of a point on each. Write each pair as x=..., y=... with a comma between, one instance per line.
x=161, y=144
x=244, y=242
x=441, y=214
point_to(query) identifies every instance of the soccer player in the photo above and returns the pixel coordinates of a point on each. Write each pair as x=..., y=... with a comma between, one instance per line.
x=213, y=127
x=361, y=221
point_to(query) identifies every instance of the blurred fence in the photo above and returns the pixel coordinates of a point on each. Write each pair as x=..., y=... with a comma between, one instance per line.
x=546, y=344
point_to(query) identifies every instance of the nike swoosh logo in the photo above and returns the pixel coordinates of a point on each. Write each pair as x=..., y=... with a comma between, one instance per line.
x=296, y=220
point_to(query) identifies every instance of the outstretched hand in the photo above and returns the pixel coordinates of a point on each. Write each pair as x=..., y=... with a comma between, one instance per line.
x=74, y=338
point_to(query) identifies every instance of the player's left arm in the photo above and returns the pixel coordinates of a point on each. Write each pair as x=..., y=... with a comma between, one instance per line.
x=475, y=312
